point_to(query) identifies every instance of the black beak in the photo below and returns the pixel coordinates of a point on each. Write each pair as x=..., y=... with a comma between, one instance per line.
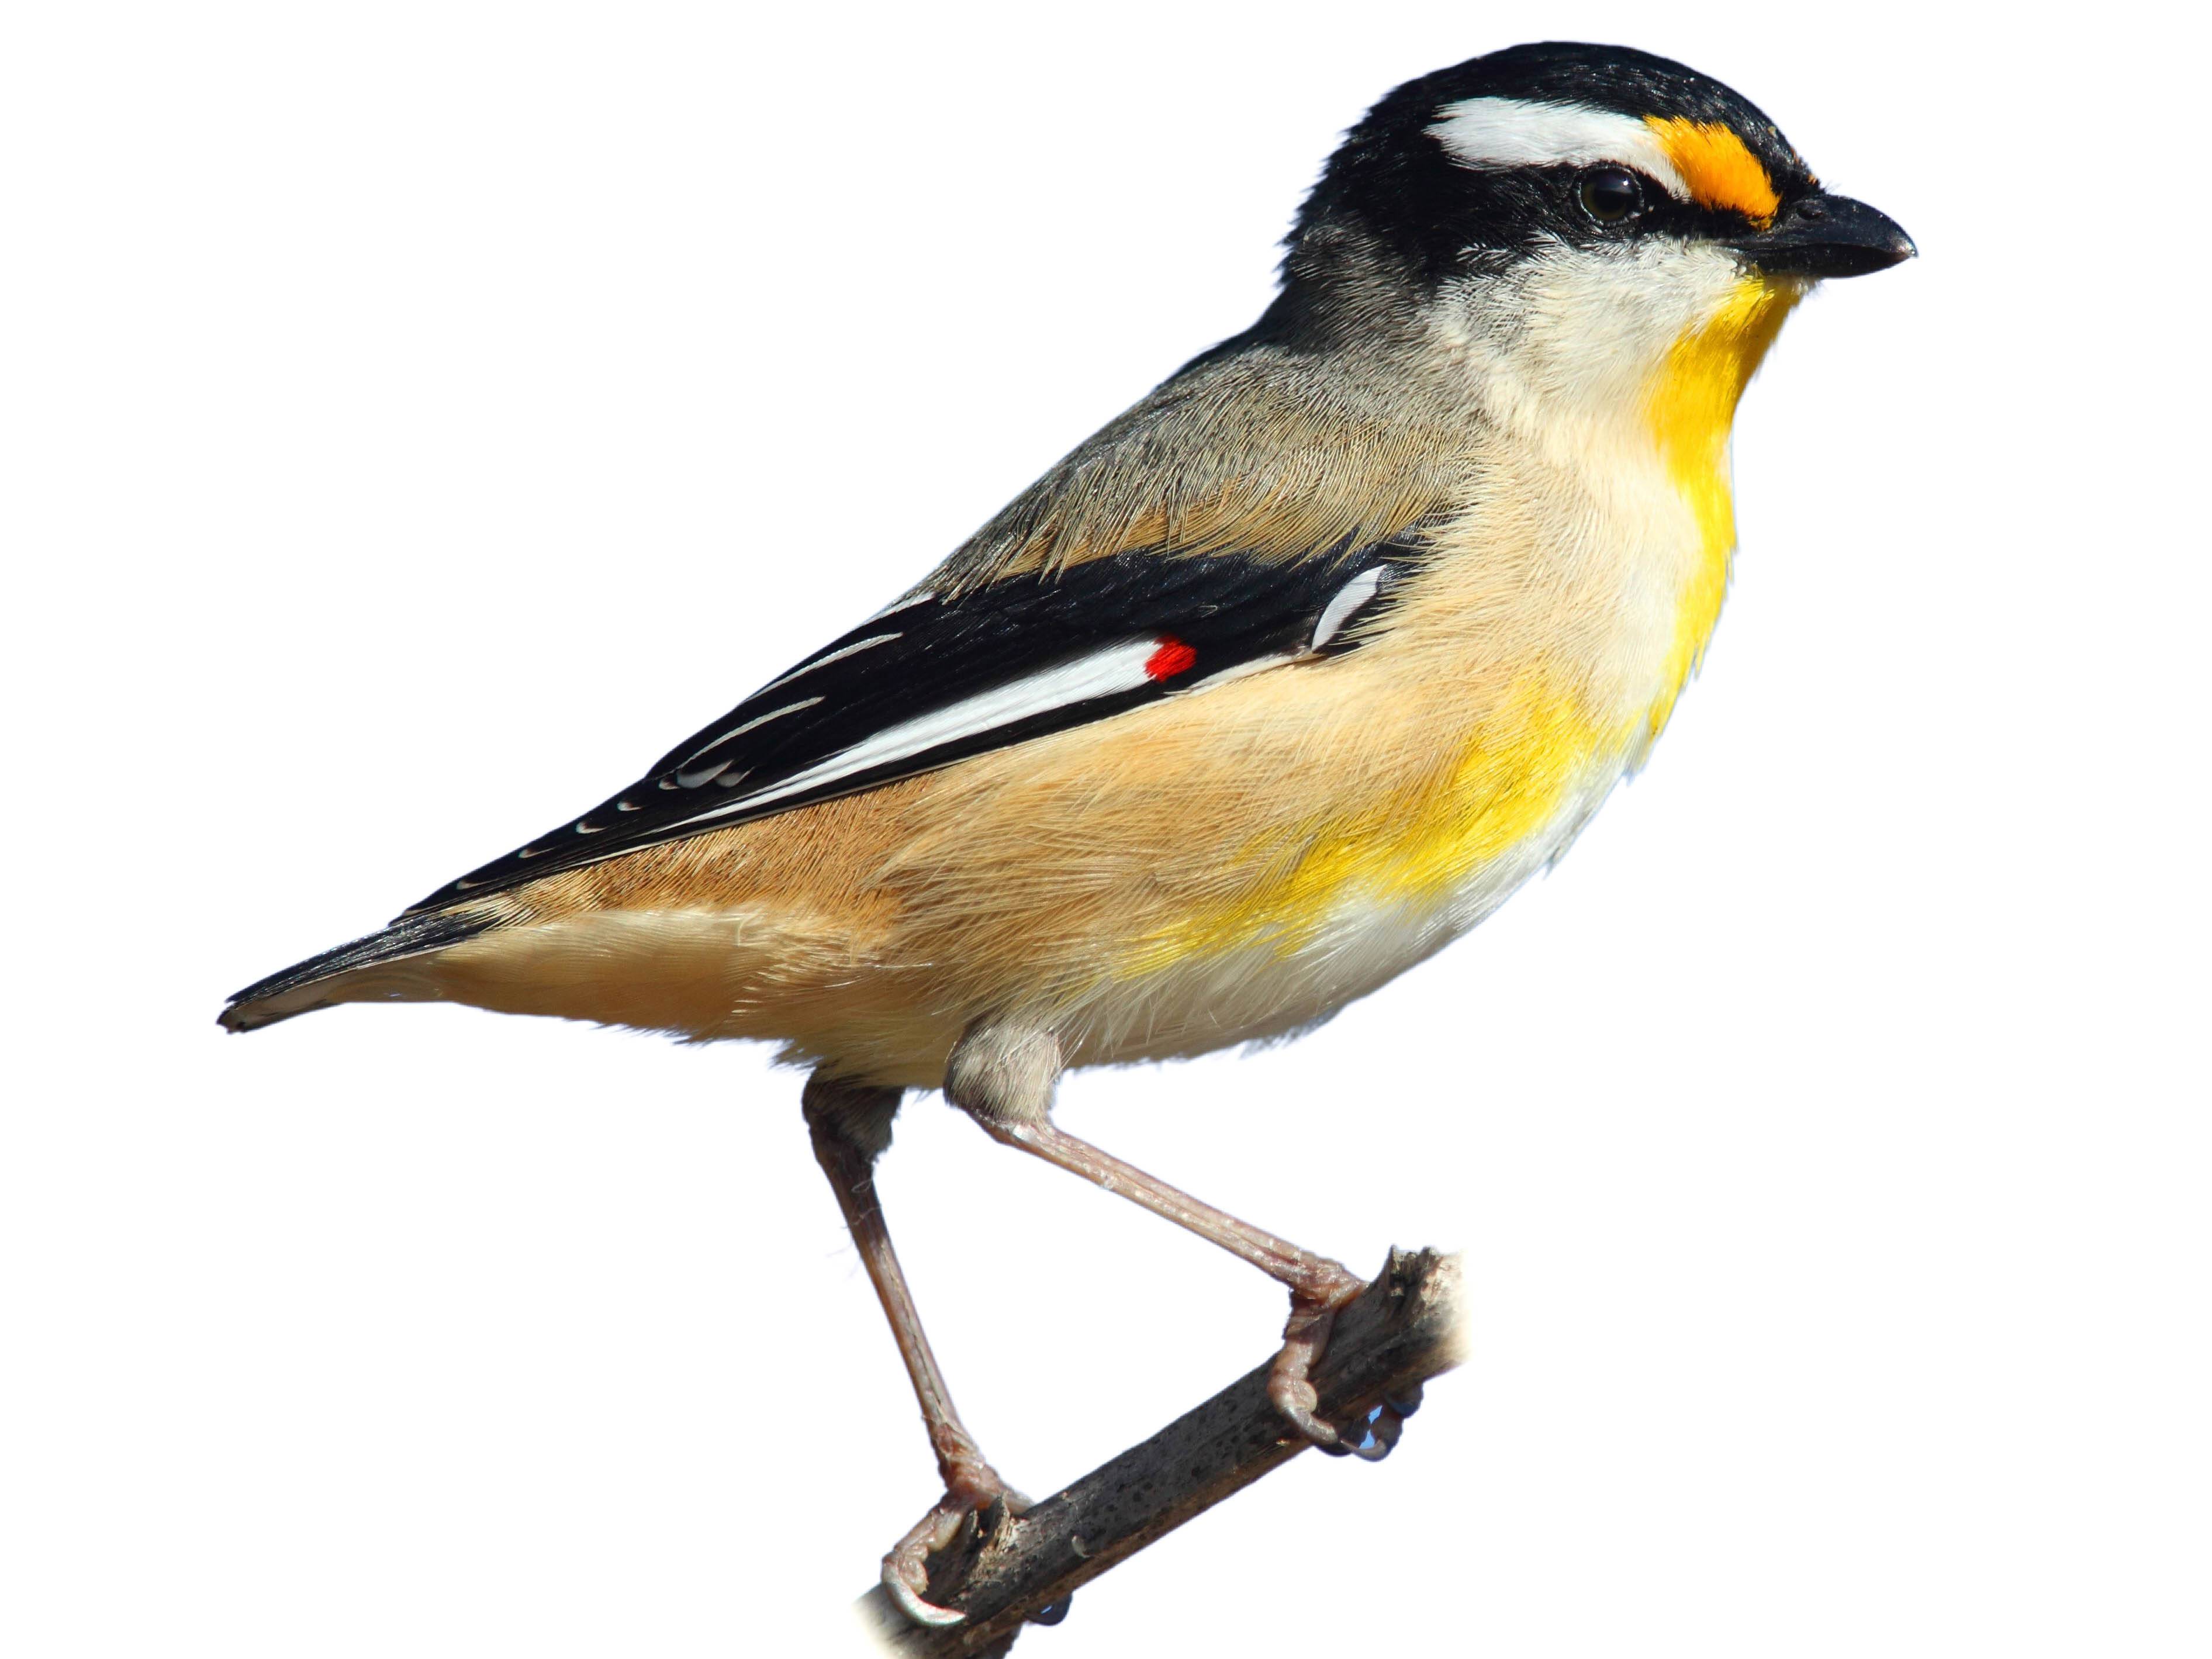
x=1823, y=236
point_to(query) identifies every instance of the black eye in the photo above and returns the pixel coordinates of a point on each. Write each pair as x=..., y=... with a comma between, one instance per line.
x=1610, y=194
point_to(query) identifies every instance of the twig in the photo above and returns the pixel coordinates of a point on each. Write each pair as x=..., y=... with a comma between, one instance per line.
x=1006, y=1569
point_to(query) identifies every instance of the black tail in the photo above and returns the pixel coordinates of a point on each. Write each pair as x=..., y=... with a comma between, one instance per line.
x=408, y=936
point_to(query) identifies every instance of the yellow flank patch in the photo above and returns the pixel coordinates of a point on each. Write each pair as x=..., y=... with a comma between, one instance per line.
x=1415, y=844
x=1691, y=405
x=1719, y=170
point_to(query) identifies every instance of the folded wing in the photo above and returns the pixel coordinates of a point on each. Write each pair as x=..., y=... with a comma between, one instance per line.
x=940, y=677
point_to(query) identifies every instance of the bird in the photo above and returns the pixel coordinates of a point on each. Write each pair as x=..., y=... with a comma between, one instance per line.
x=1279, y=683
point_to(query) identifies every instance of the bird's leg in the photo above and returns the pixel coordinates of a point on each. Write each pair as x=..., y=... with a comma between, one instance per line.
x=851, y=1126
x=1004, y=1079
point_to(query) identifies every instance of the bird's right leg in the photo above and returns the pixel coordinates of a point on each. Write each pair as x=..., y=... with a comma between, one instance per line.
x=1003, y=1076
x=851, y=1126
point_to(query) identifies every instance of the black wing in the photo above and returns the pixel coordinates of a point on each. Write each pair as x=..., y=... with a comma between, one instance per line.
x=936, y=679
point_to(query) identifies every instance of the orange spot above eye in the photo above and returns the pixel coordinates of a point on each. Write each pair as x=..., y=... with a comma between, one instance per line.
x=1715, y=164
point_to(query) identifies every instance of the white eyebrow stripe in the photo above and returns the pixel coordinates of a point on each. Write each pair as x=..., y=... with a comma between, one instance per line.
x=809, y=666
x=692, y=779
x=1514, y=132
x=1095, y=674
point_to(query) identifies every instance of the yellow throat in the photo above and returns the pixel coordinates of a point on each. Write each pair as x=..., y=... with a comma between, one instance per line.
x=1513, y=777
x=1691, y=406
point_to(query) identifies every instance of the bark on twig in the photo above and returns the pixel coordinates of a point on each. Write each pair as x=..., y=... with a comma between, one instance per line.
x=1006, y=1569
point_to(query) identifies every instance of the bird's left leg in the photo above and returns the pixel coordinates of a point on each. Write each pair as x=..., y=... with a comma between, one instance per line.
x=851, y=1126
x=1004, y=1078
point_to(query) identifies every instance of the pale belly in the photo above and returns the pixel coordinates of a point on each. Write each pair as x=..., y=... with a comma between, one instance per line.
x=1300, y=966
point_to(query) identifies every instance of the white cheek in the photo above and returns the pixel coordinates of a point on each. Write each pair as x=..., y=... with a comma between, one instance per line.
x=1570, y=340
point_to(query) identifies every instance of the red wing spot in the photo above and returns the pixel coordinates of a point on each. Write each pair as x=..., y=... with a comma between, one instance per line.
x=1170, y=660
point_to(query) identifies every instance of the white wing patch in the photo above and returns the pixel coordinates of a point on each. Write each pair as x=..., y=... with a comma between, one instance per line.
x=1515, y=132
x=1095, y=674
x=1348, y=599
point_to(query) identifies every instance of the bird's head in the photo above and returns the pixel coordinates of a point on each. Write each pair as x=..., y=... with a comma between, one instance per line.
x=1574, y=217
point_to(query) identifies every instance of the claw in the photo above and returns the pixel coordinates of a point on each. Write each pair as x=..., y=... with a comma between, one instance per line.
x=906, y=1571
x=1296, y=1398
x=1385, y=1423
x=1376, y=1439
x=906, y=1568
x=1289, y=1386
x=927, y=1614
x=1313, y=1316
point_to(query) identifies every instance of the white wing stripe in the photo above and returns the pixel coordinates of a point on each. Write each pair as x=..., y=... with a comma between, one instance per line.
x=1514, y=132
x=906, y=603
x=693, y=780
x=1097, y=674
x=824, y=661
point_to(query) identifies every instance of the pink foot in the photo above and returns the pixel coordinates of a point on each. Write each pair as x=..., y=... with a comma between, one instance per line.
x=906, y=1568
x=1313, y=1316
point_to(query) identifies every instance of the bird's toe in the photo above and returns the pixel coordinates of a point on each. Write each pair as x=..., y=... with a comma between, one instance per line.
x=1370, y=1435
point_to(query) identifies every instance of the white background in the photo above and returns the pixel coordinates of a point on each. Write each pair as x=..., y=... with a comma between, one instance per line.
x=418, y=415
